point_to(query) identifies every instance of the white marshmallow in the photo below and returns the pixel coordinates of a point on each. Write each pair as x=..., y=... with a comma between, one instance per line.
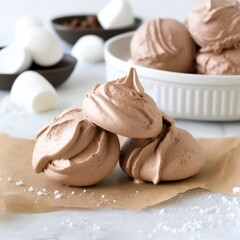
x=24, y=25
x=14, y=59
x=33, y=92
x=117, y=14
x=88, y=49
x=44, y=47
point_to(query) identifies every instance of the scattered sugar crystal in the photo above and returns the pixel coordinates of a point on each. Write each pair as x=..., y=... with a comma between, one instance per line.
x=194, y=225
x=70, y=224
x=58, y=196
x=84, y=190
x=72, y=193
x=56, y=192
x=209, y=196
x=31, y=189
x=41, y=193
x=96, y=227
x=8, y=106
x=114, y=200
x=224, y=199
x=9, y=179
x=20, y=183
x=231, y=215
x=136, y=191
x=166, y=228
x=102, y=196
x=149, y=235
x=236, y=189
x=161, y=211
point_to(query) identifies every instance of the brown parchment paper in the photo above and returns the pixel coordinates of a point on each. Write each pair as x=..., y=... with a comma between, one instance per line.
x=221, y=174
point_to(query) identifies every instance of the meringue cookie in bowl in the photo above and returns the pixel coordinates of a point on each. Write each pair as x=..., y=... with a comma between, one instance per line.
x=74, y=151
x=172, y=155
x=163, y=44
x=225, y=63
x=122, y=107
x=215, y=25
x=180, y=95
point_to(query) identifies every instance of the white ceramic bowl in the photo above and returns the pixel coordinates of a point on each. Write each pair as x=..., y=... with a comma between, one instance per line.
x=181, y=95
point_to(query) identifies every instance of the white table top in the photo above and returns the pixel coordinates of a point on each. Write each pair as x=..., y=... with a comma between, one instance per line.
x=196, y=214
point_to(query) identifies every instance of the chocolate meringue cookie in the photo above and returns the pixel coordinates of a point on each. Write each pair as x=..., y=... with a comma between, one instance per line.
x=224, y=63
x=163, y=44
x=74, y=151
x=215, y=25
x=122, y=107
x=172, y=155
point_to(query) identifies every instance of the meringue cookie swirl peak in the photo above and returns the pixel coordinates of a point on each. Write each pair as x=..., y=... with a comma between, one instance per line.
x=122, y=107
x=74, y=151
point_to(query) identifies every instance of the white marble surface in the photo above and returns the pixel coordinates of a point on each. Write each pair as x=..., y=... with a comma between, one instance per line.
x=197, y=214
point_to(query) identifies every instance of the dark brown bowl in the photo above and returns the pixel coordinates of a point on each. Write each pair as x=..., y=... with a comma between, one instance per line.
x=72, y=34
x=56, y=74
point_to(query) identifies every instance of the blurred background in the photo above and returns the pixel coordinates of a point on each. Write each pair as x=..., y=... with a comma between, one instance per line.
x=11, y=10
